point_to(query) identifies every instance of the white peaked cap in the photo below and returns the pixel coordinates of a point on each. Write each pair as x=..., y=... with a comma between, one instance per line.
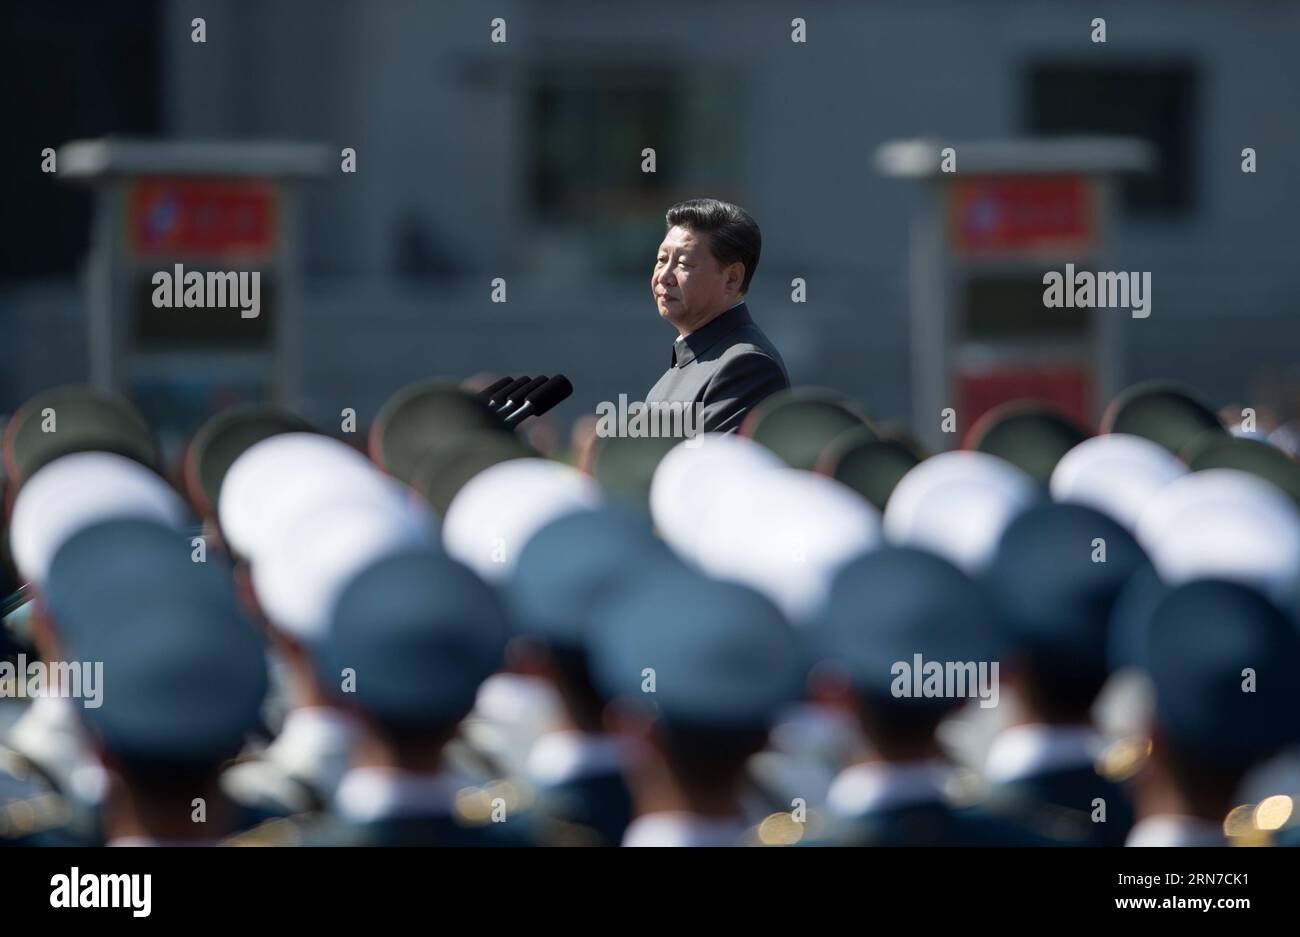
x=493, y=516
x=957, y=504
x=1224, y=524
x=78, y=490
x=785, y=533
x=1117, y=474
x=289, y=465
x=300, y=577
x=315, y=488
x=691, y=477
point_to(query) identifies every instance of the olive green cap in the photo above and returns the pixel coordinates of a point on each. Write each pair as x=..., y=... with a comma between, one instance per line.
x=458, y=457
x=418, y=418
x=75, y=418
x=869, y=465
x=1165, y=413
x=798, y=424
x=625, y=466
x=1031, y=436
x=223, y=439
x=1266, y=461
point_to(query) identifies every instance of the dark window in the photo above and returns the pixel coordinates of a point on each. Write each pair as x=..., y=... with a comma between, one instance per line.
x=174, y=328
x=1005, y=307
x=68, y=70
x=1155, y=103
x=588, y=125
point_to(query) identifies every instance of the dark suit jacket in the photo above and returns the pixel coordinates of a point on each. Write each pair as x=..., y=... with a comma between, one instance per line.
x=728, y=367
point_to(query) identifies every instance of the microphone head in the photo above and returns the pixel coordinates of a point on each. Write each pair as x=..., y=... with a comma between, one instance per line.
x=504, y=393
x=488, y=392
x=549, y=394
x=521, y=394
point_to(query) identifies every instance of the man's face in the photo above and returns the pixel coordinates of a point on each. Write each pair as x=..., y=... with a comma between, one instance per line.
x=690, y=287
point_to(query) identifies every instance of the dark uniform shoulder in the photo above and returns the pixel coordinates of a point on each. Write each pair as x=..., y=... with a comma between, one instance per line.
x=591, y=810
x=1060, y=805
x=930, y=824
x=32, y=812
x=441, y=830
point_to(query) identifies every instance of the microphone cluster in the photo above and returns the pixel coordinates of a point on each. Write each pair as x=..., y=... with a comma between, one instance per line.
x=515, y=399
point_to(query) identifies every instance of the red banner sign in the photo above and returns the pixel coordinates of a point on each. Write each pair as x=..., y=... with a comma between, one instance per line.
x=195, y=217
x=1067, y=386
x=1002, y=215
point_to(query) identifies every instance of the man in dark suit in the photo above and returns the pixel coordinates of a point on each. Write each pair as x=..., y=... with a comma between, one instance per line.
x=721, y=362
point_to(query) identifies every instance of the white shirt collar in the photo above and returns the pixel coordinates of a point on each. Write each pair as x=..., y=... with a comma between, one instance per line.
x=1027, y=750
x=673, y=828
x=558, y=757
x=874, y=786
x=49, y=733
x=1175, y=830
x=318, y=725
x=367, y=794
x=314, y=744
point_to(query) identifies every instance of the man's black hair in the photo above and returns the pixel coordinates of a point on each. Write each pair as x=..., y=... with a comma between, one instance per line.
x=733, y=234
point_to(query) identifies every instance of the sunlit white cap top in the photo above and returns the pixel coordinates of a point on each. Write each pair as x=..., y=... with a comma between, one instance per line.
x=1224, y=524
x=499, y=509
x=785, y=533
x=692, y=476
x=956, y=505
x=78, y=490
x=298, y=579
x=1116, y=474
x=289, y=465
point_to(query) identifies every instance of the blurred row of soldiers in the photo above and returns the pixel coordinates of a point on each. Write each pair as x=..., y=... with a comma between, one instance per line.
x=809, y=632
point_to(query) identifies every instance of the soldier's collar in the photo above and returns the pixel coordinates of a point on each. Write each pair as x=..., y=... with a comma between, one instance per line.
x=369, y=794
x=684, y=829
x=1175, y=830
x=875, y=786
x=1023, y=751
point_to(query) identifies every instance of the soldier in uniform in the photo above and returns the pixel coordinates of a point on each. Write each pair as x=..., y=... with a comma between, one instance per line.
x=410, y=640
x=96, y=457
x=1055, y=578
x=55, y=505
x=696, y=671
x=563, y=571
x=884, y=609
x=303, y=511
x=1221, y=659
x=177, y=702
